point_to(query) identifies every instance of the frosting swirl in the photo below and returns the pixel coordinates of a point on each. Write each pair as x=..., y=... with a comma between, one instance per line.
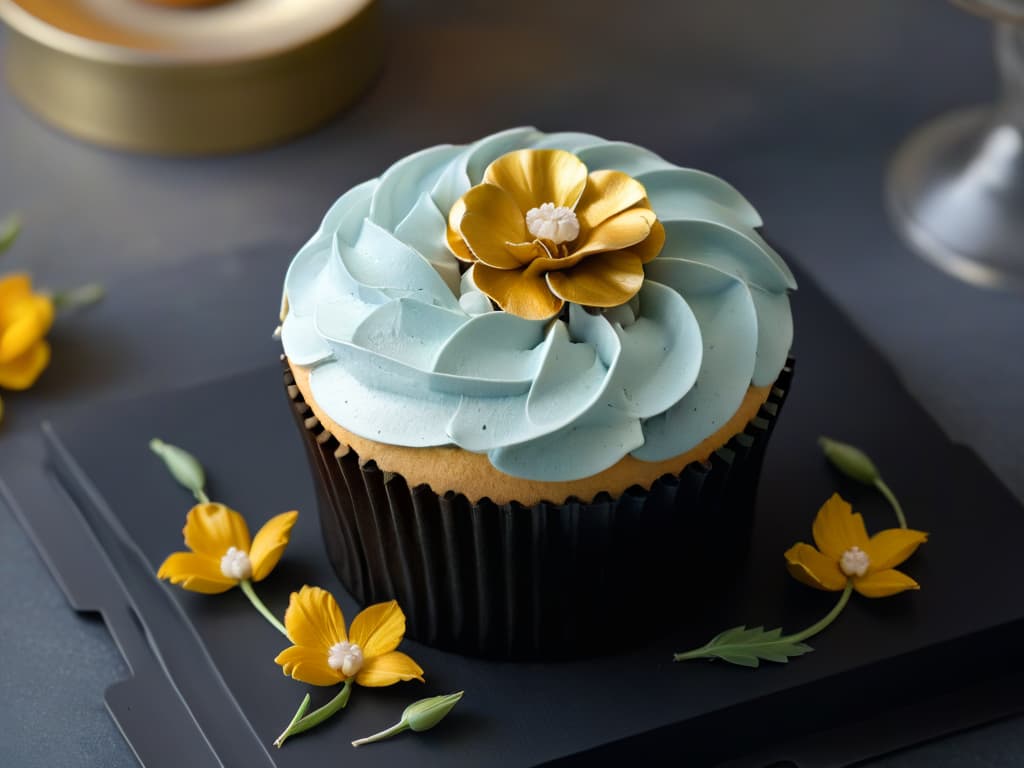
x=406, y=350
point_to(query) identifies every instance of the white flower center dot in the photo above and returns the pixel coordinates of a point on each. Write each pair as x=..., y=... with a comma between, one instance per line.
x=854, y=562
x=345, y=657
x=235, y=564
x=553, y=222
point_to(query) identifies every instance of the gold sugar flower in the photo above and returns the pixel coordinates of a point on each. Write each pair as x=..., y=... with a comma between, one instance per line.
x=324, y=654
x=846, y=556
x=222, y=553
x=25, y=319
x=541, y=231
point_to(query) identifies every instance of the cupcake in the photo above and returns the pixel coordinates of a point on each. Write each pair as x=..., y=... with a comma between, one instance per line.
x=535, y=376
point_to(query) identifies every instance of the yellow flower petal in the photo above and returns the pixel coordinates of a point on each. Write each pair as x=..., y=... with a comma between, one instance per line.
x=606, y=194
x=603, y=280
x=314, y=619
x=884, y=583
x=24, y=324
x=455, y=242
x=887, y=549
x=651, y=246
x=195, y=573
x=14, y=287
x=836, y=528
x=22, y=372
x=308, y=665
x=269, y=543
x=536, y=176
x=808, y=566
x=388, y=670
x=617, y=233
x=212, y=529
x=491, y=221
x=523, y=292
x=378, y=629
x=532, y=252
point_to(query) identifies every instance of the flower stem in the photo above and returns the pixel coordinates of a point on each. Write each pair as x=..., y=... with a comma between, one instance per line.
x=302, y=722
x=891, y=498
x=831, y=616
x=79, y=297
x=387, y=733
x=201, y=496
x=250, y=593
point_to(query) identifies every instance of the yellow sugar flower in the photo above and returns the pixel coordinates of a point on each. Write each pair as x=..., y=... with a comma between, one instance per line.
x=25, y=319
x=324, y=654
x=846, y=556
x=541, y=231
x=222, y=554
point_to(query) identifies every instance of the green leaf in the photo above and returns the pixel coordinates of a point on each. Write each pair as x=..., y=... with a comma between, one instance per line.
x=850, y=460
x=182, y=465
x=748, y=647
x=9, y=229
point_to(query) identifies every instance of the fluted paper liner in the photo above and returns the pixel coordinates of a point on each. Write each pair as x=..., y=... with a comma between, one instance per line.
x=509, y=581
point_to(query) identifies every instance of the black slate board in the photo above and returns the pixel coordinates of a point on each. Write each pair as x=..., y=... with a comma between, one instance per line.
x=205, y=688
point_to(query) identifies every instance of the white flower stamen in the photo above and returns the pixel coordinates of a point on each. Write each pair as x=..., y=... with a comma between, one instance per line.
x=555, y=223
x=854, y=562
x=345, y=657
x=235, y=564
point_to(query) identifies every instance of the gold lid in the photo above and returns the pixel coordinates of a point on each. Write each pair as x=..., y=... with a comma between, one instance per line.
x=189, y=80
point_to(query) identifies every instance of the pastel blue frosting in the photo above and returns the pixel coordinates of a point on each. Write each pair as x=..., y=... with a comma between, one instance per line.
x=404, y=350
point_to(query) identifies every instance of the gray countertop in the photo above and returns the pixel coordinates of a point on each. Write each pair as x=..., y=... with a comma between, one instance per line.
x=800, y=104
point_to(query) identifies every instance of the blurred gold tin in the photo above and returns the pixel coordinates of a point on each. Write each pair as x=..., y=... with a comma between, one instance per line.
x=232, y=76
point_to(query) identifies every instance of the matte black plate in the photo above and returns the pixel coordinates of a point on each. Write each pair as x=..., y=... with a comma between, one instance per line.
x=911, y=662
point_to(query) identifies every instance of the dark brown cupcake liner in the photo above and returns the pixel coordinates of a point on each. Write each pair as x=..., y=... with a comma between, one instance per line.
x=515, y=582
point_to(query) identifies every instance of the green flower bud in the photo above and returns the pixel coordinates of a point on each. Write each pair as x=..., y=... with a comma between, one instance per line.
x=421, y=715
x=182, y=465
x=424, y=714
x=849, y=460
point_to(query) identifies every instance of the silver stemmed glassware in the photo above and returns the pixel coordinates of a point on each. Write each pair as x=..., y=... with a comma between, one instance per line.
x=956, y=186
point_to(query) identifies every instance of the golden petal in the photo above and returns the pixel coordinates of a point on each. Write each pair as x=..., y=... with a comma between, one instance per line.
x=455, y=242
x=378, y=629
x=22, y=372
x=14, y=287
x=490, y=222
x=27, y=321
x=269, y=543
x=808, y=566
x=522, y=292
x=606, y=194
x=536, y=176
x=884, y=583
x=617, y=233
x=308, y=665
x=603, y=280
x=651, y=246
x=836, y=528
x=530, y=252
x=212, y=529
x=314, y=619
x=195, y=573
x=388, y=669
x=887, y=549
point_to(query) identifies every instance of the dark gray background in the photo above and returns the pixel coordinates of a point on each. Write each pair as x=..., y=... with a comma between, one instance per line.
x=800, y=103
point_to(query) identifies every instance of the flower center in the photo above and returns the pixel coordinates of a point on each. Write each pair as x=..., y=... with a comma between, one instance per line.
x=346, y=657
x=555, y=223
x=235, y=564
x=854, y=562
